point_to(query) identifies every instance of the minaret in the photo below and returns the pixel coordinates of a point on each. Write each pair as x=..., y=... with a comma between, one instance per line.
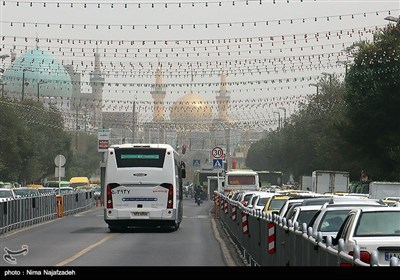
x=223, y=99
x=97, y=84
x=158, y=93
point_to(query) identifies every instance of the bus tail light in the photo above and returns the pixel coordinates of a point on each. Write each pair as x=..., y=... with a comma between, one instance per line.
x=170, y=199
x=109, y=195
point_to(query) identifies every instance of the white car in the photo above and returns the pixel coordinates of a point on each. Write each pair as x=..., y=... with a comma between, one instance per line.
x=373, y=229
x=6, y=194
x=331, y=216
x=247, y=198
x=259, y=200
x=304, y=214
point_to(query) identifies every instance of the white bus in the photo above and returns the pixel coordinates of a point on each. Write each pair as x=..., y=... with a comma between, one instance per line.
x=143, y=186
x=241, y=179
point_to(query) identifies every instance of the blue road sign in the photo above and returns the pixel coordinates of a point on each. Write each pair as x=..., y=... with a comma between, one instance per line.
x=196, y=162
x=217, y=163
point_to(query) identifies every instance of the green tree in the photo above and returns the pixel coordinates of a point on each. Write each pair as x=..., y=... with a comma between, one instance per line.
x=85, y=160
x=311, y=140
x=373, y=102
x=13, y=139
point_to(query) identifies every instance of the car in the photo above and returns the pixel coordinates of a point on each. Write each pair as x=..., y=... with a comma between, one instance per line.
x=392, y=201
x=6, y=194
x=25, y=192
x=47, y=191
x=259, y=200
x=275, y=204
x=287, y=208
x=331, y=216
x=372, y=229
x=303, y=214
x=65, y=190
x=237, y=195
x=247, y=197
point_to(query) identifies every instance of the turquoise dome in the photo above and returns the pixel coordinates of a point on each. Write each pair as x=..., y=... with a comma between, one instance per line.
x=41, y=68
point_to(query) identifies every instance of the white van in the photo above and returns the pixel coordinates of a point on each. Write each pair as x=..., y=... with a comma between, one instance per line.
x=143, y=186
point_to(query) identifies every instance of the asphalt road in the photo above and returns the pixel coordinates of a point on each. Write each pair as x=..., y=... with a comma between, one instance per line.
x=84, y=240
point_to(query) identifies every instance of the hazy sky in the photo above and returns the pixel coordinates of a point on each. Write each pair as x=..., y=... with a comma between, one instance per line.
x=298, y=39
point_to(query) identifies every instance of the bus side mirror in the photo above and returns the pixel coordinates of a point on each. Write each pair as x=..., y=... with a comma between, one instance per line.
x=183, y=169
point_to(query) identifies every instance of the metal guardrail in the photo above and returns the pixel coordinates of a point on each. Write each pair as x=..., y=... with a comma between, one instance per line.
x=26, y=211
x=267, y=241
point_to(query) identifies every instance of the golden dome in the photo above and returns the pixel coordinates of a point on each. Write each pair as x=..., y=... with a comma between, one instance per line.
x=190, y=107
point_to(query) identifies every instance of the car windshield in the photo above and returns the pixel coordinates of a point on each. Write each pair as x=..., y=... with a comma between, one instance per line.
x=379, y=224
x=276, y=204
x=262, y=201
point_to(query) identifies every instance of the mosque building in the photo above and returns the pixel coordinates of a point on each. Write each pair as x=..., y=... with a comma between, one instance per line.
x=38, y=75
x=190, y=124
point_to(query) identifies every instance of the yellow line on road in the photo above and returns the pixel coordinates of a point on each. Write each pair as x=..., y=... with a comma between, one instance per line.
x=87, y=249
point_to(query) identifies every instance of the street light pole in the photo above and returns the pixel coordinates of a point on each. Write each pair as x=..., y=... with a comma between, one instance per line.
x=2, y=89
x=279, y=119
x=23, y=82
x=284, y=115
x=38, y=88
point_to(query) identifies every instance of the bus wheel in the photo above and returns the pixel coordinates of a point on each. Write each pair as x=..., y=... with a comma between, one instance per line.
x=175, y=227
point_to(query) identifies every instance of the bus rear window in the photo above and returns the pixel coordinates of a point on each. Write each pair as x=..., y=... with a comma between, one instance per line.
x=140, y=157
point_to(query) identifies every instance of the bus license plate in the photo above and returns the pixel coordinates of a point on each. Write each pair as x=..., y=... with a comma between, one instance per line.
x=140, y=214
x=388, y=255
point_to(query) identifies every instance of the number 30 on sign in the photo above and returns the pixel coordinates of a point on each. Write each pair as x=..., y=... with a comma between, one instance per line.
x=217, y=152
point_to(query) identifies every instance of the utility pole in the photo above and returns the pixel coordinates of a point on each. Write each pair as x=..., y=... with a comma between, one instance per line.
x=284, y=115
x=330, y=77
x=133, y=120
x=23, y=82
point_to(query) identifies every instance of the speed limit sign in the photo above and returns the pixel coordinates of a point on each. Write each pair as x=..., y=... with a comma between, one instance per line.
x=217, y=152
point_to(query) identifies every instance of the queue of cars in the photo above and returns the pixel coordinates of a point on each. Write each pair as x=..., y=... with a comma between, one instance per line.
x=9, y=191
x=372, y=224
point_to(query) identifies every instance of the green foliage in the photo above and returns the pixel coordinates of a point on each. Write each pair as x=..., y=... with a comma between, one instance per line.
x=86, y=159
x=373, y=98
x=31, y=136
x=311, y=140
x=350, y=125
